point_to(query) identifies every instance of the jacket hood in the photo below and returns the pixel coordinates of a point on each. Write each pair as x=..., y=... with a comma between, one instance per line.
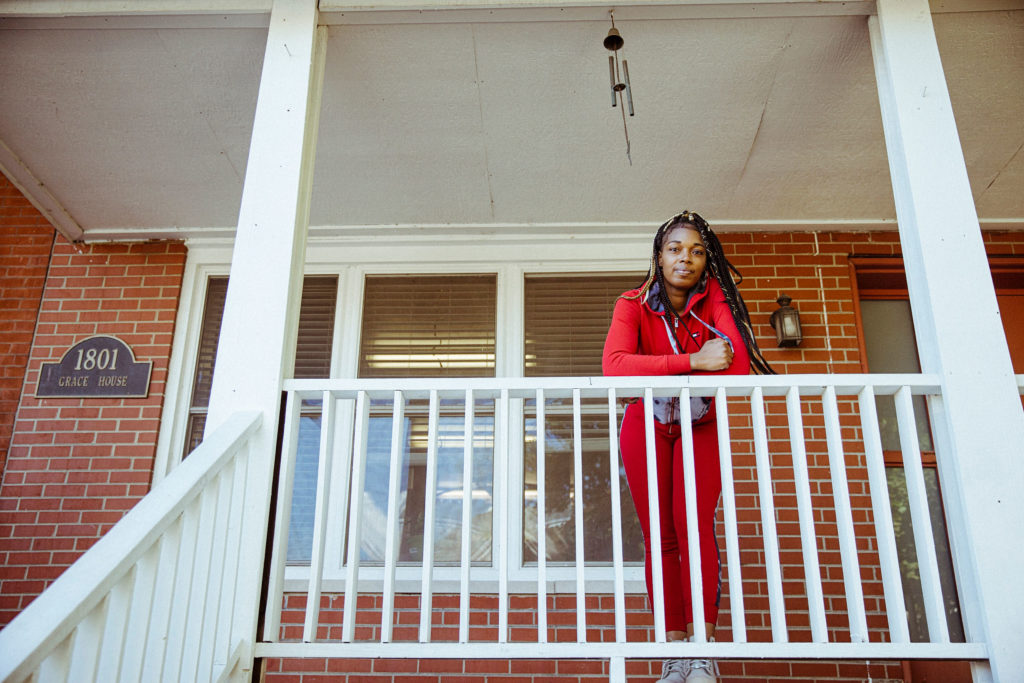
x=653, y=299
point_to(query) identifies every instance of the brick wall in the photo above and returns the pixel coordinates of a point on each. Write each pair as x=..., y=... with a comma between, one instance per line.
x=25, y=241
x=75, y=466
x=814, y=269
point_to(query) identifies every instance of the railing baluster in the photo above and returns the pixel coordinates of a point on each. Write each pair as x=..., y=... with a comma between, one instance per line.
x=888, y=559
x=226, y=639
x=56, y=668
x=171, y=664
x=542, y=531
x=200, y=582
x=577, y=460
x=732, y=545
x=159, y=619
x=387, y=617
x=614, y=490
x=700, y=633
x=114, y=628
x=355, y=516
x=805, y=514
x=468, y=430
x=844, y=518
x=282, y=518
x=211, y=601
x=320, y=522
x=339, y=508
x=502, y=504
x=85, y=648
x=934, y=606
x=140, y=609
x=657, y=573
x=776, y=602
x=429, y=503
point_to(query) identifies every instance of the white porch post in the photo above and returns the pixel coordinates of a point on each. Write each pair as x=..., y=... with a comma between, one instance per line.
x=978, y=423
x=257, y=340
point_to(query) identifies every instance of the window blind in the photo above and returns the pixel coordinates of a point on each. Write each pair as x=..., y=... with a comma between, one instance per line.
x=428, y=326
x=567, y=319
x=209, y=335
x=316, y=327
x=312, y=352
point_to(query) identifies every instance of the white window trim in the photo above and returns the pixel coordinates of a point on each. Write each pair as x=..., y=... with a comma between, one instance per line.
x=511, y=256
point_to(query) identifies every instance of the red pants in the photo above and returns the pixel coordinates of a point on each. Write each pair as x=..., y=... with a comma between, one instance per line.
x=672, y=515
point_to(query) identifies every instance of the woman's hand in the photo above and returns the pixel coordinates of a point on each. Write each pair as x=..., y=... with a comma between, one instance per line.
x=716, y=354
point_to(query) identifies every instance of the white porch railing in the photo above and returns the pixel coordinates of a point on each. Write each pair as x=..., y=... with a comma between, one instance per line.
x=839, y=410
x=154, y=599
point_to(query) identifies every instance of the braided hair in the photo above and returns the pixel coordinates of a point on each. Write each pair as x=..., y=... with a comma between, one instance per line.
x=719, y=268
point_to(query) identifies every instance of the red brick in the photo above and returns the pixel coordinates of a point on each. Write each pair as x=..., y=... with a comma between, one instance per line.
x=79, y=296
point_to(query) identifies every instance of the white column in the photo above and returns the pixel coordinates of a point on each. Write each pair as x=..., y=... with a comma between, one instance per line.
x=978, y=422
x=257, y=340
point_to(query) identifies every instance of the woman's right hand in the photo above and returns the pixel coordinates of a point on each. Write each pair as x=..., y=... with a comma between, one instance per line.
x=716, y=354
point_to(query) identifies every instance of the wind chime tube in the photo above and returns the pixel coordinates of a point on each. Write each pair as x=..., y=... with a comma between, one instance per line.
x=629, y=90
x=611, y=77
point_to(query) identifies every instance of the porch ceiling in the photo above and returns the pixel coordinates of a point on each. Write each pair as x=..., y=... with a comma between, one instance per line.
x=142, y=128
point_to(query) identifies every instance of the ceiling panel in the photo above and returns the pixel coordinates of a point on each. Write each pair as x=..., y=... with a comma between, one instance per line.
x=504, y=122
x=133, y=127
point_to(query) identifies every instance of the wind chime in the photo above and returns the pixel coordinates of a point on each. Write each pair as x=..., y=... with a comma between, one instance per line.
x=622, y=95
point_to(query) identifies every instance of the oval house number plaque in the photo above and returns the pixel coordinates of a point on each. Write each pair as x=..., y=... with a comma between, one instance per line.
x=97, y=367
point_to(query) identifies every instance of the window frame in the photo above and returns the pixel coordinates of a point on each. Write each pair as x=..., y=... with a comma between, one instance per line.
x=353, y=257
x=1007, y=267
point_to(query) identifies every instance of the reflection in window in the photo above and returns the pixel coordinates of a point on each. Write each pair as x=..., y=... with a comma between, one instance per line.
x=412, y=489
x=566, y=320
x=559, y=484
x=907, y=552
x=891, y=347
x=450, y=332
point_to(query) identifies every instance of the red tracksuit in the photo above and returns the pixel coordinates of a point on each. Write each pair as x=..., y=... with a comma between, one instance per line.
x=638, y=344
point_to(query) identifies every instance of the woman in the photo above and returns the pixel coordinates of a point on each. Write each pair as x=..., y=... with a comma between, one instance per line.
x=686, y=318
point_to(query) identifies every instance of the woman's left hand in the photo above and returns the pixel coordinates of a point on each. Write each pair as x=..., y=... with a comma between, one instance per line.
x=715, y=355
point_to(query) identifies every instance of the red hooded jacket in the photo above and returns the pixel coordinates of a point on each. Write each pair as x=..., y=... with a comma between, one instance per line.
x=638, y=344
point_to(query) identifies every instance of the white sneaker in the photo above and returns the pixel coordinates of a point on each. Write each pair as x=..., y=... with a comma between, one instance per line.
x=701, y=671
x=674, y=671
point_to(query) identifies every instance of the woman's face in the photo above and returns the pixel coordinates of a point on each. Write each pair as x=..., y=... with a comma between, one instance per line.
x=682, y=259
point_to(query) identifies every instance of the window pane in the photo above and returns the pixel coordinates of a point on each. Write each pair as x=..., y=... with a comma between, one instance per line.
x=312, y=359
x=559, y=485
x=891, y=347
x=566, y=322
x=567, y=319
x=449, y=332
x=209, y=335
x=300, y=527
x=906, y=550
x=316, y=327
x=313, y=345
x=428, y=326
x=412, y=487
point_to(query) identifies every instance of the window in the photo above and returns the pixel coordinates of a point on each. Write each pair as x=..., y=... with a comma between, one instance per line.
x=890, y=346
x=566, y=320
x=428, y=326
x=312, y=359
x=209, y=335
x=312, y=351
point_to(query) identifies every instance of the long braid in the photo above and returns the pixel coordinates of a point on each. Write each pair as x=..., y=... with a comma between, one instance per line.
x=721, y=269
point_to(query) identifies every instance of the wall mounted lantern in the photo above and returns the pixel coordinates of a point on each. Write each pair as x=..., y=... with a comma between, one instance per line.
x=786, y=321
